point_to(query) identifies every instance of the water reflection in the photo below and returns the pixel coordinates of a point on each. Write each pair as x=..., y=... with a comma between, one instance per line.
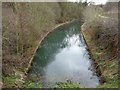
x=63, y=56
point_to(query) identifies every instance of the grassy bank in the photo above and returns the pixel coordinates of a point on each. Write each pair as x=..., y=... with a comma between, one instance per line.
x=107, y=62
x=16, y=82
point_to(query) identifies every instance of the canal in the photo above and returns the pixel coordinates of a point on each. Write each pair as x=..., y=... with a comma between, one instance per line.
x=63, y=56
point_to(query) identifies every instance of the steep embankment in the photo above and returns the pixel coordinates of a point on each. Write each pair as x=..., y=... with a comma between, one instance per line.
x=101, y=35
x=23, y=28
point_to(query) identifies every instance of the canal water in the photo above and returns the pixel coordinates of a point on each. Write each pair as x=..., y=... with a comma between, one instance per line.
x=63, y=56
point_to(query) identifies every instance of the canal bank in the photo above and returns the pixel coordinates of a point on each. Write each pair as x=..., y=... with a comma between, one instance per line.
x=95, y=63
x=107, y=65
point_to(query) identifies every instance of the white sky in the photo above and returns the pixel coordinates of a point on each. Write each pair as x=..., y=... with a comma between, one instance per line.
x=96, y=1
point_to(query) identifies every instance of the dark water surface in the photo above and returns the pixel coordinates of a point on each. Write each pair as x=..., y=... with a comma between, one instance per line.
x=63, y=56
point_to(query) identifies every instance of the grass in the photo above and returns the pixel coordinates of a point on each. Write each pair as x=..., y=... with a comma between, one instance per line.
x=31, y=84
x=15, y=82
x=67, y=85
x=9, y=81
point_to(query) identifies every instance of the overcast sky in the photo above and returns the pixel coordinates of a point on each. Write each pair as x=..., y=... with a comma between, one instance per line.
x=96, y=1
